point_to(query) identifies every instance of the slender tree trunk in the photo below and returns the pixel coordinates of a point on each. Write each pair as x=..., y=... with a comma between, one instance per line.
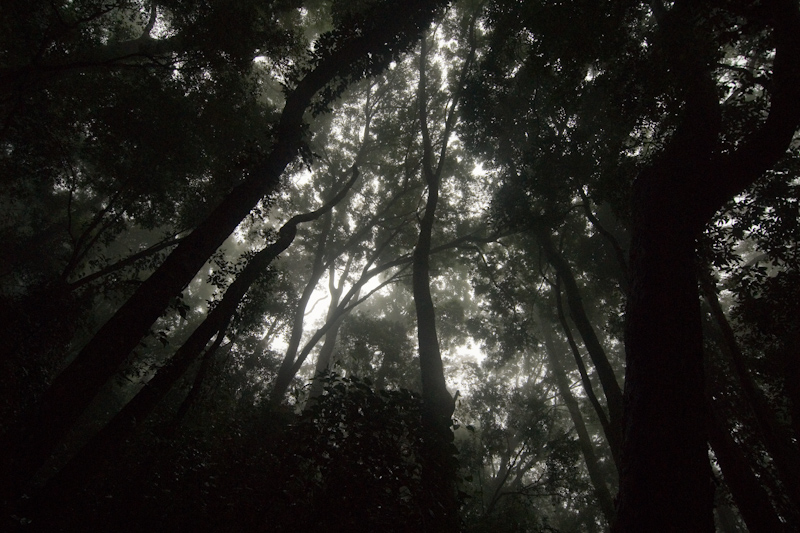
x=122, y=263
x=285, y=372
x=587, y=449
x=785, y=454
x=325, y=357
x=494, y=486
x=200, y=379
x=438, y=463
x=345, y=306
x=748, y=493
x=605, y=371
x=585, y=381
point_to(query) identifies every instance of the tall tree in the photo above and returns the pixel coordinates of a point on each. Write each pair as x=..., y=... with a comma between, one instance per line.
x=666, y=479
x=438, y=471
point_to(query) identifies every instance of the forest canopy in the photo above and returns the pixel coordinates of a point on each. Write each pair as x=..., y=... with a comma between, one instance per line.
x=480, y=266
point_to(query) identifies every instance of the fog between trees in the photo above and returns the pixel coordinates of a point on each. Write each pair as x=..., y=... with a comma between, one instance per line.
x=419, y=266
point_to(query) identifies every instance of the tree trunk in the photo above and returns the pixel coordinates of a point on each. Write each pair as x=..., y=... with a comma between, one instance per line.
x=325, y=357
x=386, y=33
x=104, y=447
x=666, y=482
x=438, y=461
x=587, y=449
x=778, y=442
x=726, y=520
x=285, y=372
x=198, y=383
x=614, y=445
x=666, y=478
x=748, y=493
x=605, y=372
x=345, y=306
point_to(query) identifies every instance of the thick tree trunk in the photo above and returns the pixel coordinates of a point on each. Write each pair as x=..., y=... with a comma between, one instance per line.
x=665, y=482
x=104, y=448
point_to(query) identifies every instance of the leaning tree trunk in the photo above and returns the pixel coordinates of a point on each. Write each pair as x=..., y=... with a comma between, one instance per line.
x=748, y=493
x=666, y=482
x=584, y=440
x=385, y=33
x=608, y=379
x=104, y=447
x=588, y=389
x=777, y=438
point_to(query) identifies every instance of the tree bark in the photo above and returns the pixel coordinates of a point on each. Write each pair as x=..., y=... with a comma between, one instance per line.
x=388, y=32
x=666, y=478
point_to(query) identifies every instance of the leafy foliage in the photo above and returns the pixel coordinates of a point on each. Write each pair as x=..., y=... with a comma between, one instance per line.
x=124, y=124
